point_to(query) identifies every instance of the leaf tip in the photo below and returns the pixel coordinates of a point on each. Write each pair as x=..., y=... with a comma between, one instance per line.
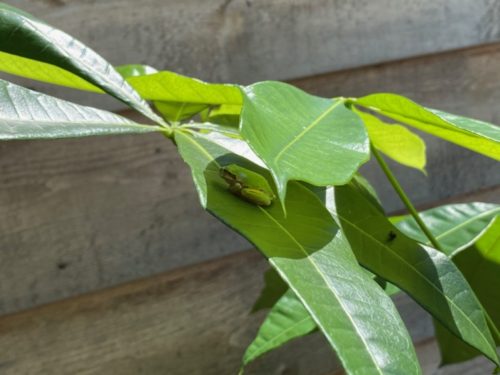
x=281, y=186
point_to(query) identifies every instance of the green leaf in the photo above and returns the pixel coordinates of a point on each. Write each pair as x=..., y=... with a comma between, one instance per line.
x=274, y=288
x=480, y=264
x=288, y=319
x=173, y=87
x=475, y=135
x=170, y=110
x=225, y=114
x=395, y=141
x=364, y=188
x=179, y=97
x=302, y=137
x=455, y=226
x=427, y=275
x=135, y=70
x=206, y=127
x=25, y=36
x=48, y=73
x=26, y=114
x=467, y=232
x=174, y=111
x=311, y=255
x=43, y=72
x=184, y=92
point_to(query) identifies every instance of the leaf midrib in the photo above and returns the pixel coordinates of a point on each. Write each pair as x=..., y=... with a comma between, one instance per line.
x=268, y=344
x=466, y=222
x=329, y=286
x=131, y=94
x=420, y=274
x=63, y=122
x=450, y=126
x=307, y=129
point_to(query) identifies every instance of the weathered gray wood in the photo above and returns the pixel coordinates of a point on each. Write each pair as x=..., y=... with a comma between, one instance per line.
x=80, y=215
x=191, y=321
x=249, y=40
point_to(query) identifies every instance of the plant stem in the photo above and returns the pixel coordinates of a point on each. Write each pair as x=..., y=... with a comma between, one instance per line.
x=394, y=182
x=168, y=131
x=399, y=190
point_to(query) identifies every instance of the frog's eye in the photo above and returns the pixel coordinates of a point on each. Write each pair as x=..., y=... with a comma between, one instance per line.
x=224, y=173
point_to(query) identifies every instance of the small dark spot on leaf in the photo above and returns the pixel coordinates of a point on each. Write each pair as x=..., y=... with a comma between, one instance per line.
x=62, y=265
x=391, y=237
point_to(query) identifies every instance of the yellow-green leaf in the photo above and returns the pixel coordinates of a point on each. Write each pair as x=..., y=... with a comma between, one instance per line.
x=396, y=141
x=479, y=136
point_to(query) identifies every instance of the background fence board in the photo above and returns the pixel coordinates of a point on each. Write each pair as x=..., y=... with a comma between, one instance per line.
x=245, y=41
x=192, y=321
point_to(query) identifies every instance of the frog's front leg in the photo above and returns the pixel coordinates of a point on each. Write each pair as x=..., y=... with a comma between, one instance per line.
x=256, y=196
x=235, y=188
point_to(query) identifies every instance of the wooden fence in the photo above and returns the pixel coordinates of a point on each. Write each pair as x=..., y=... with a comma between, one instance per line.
x=107, y=263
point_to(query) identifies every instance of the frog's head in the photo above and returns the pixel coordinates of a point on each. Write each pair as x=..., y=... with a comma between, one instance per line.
x=227, y=175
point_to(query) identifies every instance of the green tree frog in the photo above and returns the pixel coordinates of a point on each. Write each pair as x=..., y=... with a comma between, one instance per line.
x=248, y=185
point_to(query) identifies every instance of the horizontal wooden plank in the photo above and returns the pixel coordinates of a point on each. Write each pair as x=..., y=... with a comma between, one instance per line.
x=86, y=214
x=190, y=321
x=79, y=215
x=249, y=40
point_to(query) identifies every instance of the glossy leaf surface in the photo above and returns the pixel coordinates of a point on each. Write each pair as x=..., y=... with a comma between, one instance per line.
x=395, y=141
x=214, y=129
x=427, y=275
x=25, y=36
x=178, y=97
x=311, y=255
x=181, y=92
x=174, y=111
x=302, y=137
x=475, y=135
x=454, y=226
x=26, y=114
x=288, y=319
x=43, y=72
x=135, y=70
x=173, y=87
x=225, y=114
x=480, y=264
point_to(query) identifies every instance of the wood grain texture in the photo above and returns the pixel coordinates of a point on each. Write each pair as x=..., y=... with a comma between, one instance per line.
x=84, y=214
x=190, y=321
x=245, y=41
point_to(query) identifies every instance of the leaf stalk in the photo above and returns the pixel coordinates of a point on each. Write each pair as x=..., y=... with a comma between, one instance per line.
x=404, y=198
